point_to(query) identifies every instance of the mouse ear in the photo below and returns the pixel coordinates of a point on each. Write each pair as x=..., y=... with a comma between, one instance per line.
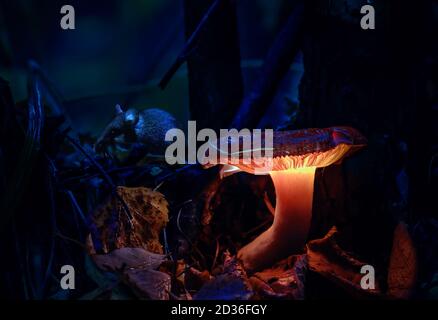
x=131, y=116
x=119, y=109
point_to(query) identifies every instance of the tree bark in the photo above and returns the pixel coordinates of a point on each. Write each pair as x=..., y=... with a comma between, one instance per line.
x=215, y=80
x=370, y=80
x=277, y=64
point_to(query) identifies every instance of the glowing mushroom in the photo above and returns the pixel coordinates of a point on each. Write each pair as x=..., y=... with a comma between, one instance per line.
x=295, y=157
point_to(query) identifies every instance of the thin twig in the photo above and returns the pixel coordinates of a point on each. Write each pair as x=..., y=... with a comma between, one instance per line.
x=166, y=245
x=172, y=295
x=178, y=225
x=60, y=235
x=187, y=268
x=182, y=204
x=76, y=206
x=104, y=174
x=158, y=186
x=52, y=238
x=189, y=46
x=171, y=174
x=216, y=254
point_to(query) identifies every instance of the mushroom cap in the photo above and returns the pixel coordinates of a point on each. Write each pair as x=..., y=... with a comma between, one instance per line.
x=290, y=149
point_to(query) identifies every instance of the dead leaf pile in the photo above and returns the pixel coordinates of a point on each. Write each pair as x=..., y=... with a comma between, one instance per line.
x=332, y=262
x=403, y=268
x=285, y=280
x=149, y=210
x=231, y=284
x=137, y=269
x=131, y=250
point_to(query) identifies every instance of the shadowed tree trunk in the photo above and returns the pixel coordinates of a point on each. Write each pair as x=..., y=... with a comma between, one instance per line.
x=370, y=80
x=215, y=80
x=277, y=63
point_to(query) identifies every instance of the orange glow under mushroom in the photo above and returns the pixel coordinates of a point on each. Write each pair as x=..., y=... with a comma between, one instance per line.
x=293, y=178
x=293, y=215
x=297, y=155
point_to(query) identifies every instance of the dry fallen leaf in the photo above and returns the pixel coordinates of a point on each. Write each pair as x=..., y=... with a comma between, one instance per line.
x=176, y=269
x=285, y=280
x=135, y=267
x=328, y=259
x=232, y=284
x=128, y=258
x=195, y=279
x=402, y=273
x=149, y=284
x=112, y=230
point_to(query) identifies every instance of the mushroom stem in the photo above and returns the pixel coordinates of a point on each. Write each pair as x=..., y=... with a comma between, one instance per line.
x=293, y=214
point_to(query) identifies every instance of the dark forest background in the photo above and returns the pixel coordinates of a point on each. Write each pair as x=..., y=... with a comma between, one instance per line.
x=259, y=63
